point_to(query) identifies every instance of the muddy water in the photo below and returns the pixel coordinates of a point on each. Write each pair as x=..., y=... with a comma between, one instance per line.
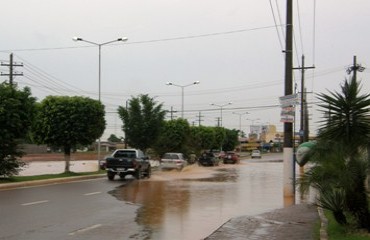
x=193, y=203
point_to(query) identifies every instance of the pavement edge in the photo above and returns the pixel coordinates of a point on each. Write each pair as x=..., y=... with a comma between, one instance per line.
x=25, y=184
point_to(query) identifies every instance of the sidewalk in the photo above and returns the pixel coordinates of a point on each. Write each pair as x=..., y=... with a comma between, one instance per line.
x=292, y=223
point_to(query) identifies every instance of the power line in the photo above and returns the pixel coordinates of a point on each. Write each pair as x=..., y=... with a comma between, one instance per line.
x=300, y=26
x=276, y=26
x=150, y=41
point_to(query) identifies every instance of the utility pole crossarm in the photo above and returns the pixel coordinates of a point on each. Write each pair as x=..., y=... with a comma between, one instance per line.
x=11, y=73
x=304, y=120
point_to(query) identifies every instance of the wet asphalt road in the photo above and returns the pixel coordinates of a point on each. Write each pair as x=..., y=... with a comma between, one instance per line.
x=171, y=205
x=79, y=210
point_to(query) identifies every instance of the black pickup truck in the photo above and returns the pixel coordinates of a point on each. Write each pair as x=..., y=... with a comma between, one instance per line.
x=128, y=162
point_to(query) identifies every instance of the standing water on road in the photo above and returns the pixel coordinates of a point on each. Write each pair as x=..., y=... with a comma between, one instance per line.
x=193, y=203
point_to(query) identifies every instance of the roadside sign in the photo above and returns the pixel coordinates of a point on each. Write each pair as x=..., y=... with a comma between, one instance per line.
x=289, y=100
x=287, y=119
x=288, y=111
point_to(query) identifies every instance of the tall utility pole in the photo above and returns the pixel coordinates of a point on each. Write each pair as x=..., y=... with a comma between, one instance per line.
x=289, y=164
x=304, y=116
x=199, y=118
x=172, y=112
x=218, y=121
x=354, y=68
x=11, y=66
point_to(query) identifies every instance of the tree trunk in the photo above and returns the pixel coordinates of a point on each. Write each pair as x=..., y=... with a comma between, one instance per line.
x=67, y=158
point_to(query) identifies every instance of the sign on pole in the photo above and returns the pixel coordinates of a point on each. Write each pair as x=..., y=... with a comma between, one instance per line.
x=287, y=104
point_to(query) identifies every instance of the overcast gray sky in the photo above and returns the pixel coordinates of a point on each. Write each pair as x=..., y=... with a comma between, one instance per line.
x=233, y=47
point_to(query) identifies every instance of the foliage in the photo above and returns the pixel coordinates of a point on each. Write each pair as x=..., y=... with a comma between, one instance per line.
x=114, y=138
x=220, y=134
x=201, y=138
x=340, y=163
x=16, y=114
x=142, y=121
x=231, y=140
x=174, y=137
x=346, y=117
x=337, y=231
x=68, y=121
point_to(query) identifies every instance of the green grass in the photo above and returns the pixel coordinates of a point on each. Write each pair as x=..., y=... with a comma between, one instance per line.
x=47, y=176
x=339, y=232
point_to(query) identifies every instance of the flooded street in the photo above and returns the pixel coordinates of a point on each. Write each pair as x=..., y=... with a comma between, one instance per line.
x=193, y=203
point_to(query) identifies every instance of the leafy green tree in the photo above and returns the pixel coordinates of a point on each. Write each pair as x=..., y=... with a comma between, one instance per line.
x=340, y=168
x=220, y=134
x=201, y=138
x=114, y=138
x=68, y=121
x=16, y=114
x=174, y=137
x=231, y=140
x=142, y=121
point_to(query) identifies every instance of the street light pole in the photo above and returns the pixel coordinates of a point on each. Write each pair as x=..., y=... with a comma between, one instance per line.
x=124, y=39
x=221, y=108
x=240, y=120
x=182, y=93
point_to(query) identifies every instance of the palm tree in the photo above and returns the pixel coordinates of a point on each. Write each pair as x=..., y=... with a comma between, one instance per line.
x=340, y=163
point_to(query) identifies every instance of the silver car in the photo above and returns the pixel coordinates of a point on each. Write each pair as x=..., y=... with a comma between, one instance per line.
x=256, y=154
x=173, y=161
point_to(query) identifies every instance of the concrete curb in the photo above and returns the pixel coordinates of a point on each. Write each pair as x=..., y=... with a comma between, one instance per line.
x=324, y=224
x=9, y=186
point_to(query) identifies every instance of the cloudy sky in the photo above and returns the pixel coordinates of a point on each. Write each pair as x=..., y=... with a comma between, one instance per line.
x=233, y=47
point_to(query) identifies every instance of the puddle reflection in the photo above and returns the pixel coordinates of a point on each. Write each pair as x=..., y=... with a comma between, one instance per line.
x=194, y=208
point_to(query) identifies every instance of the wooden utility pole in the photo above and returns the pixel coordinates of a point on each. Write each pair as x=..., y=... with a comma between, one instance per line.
x=172, y=112
x=289, y=164
x=199, y=118
x=11, y=66
x=304, y=116
x=354, y=68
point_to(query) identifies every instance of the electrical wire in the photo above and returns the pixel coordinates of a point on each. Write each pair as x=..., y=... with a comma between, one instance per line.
x=276, y=27
x=148, y=41
x=300, y=26
x=280, y=21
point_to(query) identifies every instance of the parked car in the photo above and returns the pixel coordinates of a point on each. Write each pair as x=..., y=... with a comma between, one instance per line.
x=208, y=159
x=231, y=157
x=173, y=161
x=219, y=154
x=256, y=154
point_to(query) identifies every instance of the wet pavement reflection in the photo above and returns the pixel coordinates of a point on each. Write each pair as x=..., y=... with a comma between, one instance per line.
x=189, y=205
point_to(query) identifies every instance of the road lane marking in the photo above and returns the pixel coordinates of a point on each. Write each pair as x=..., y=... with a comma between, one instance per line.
x=82, y=230
x=92, y=193
x=34, y=203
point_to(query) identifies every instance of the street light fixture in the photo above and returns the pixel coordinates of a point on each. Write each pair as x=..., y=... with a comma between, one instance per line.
x=221, y=107
x=124, y=39
x=240, y=120
x=182, y=93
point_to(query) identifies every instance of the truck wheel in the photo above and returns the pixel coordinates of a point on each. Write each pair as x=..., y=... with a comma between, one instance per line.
x=138, y=174
x=148, y=172
x=111, y=175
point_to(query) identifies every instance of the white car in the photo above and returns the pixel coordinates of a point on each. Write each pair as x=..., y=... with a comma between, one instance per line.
x=256, y=154
x=173, y=161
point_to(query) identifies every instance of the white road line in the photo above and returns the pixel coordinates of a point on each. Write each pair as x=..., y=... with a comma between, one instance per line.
x=92, y=193
x=82, y=230
x=34, y=203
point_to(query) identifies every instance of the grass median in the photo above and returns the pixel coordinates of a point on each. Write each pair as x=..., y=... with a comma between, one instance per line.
x=15, y=179
x=340, y=232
